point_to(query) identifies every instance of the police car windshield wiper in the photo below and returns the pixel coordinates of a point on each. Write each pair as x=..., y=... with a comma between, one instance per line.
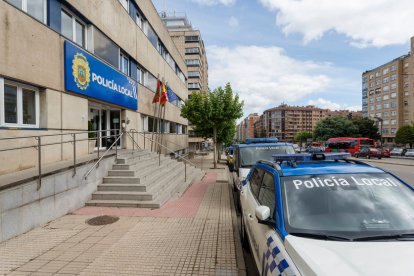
x=401, y=237
x=320, y=236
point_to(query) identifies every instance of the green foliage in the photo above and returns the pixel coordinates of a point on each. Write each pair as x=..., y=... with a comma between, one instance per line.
x=303, y=136
x=214, y=114
x=405, y=135
x=365, y=128
x=334, y=126
x=90, y=128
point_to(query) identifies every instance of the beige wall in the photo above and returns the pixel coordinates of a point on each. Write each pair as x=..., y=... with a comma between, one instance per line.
x=32, y=53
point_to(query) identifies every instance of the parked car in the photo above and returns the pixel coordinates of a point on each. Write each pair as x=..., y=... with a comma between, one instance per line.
x=398, y=152
x=385, y=152
x=315, y=149
x=296, y=148
x=410, y=153
x=316, y=214
x=369, y=153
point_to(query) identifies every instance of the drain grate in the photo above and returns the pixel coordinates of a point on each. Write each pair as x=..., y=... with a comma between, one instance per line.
x=102, y=220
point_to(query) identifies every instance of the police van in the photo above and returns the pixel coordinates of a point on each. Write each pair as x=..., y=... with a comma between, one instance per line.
x=323, y=214
x=254, y=149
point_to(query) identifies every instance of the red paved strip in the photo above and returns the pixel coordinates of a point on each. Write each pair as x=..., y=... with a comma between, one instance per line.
x=184, y=207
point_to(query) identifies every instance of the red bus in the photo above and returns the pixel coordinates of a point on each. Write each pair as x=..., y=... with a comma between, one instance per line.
x=348, y=144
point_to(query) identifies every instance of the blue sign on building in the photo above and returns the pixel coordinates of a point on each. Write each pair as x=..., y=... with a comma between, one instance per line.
x=87, y=75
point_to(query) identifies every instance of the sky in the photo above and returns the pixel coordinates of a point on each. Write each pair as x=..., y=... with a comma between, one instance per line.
x=298, y=52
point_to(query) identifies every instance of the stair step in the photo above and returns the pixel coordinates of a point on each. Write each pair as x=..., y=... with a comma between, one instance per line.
x=122, y=195
x=121, y=173
x=121, y=179
x=122, y=187
x=123, y=203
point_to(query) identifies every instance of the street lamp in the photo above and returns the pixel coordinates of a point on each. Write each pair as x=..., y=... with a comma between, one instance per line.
x=380, y=120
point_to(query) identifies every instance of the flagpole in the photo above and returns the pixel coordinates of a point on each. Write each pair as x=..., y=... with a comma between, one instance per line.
x=163, y=115
x=159, y=117
x=155, y=111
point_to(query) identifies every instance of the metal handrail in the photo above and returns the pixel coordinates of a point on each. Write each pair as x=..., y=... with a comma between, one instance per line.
x=57, y=134
x=157, y=133
x=99, y=160
x=159, y=144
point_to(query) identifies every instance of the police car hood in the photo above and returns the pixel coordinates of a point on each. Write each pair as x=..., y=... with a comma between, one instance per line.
x=318, y=257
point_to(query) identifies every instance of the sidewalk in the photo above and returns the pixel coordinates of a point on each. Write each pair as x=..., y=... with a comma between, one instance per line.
x=193, y=235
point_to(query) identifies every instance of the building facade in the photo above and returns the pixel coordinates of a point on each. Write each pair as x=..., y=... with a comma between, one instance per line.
x=191, y=46
x=73, y=66
x=246, y=127
x=388, y=94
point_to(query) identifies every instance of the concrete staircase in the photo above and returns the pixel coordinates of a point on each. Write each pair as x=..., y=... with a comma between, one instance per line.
x=136, y=180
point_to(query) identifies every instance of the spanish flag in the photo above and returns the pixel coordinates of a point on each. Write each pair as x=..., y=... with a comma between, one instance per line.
x=156, y=98
x=164, y=98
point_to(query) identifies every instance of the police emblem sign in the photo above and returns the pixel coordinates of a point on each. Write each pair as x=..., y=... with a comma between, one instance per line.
x=87, y=75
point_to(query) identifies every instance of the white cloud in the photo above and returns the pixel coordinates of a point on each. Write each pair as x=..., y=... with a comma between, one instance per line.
x=215, y=2
x=323, y=103
x=233, y=22
x=265, y=76
x=367, y=23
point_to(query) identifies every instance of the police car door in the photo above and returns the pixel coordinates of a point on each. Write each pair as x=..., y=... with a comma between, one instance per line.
x=273, y=257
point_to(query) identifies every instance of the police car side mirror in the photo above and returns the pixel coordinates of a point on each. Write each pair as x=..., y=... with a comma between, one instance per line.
x=262, y=212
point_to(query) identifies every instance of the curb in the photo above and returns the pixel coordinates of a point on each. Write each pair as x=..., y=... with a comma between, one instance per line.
x=241, y=265
x=381, y=162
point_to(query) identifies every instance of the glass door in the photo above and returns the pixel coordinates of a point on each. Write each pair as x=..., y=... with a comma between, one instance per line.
x=107, y=121
x=94, y=125
x=115, y=125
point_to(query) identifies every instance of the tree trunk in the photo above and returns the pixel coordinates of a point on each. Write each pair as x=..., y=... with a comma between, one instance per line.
x=215, y=146
x=218, y=153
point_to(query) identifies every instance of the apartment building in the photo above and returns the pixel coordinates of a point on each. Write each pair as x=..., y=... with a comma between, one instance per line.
x=246, y=127
x=284, y=121
x=72, y=65
x=191, y=46
x=388, y=94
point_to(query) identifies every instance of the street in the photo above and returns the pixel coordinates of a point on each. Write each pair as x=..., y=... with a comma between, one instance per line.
x=403, y=168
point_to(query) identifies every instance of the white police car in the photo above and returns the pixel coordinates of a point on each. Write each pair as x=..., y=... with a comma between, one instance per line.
x=321, y=214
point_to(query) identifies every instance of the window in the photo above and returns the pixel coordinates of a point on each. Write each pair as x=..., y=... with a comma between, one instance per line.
x=371, y=76
x=173, y=127
x=179, y=129
x=35, y=8
x=21, y=104
x=105, y=48
x=385, y=114
x=385, y=71
x=406, y=93
x=256, y=180
x=393, y=77
x=378, y=107
x=385, y=80
x=140, y=75
x=393, y=68
x=386, y=105
x=73, y=28
x=385, y=131
x=385, y=97
x=378, y=91
x=140, y=20
x=191, y=38
x=193, y=85
x=150, y=82
x=371, y=92
x=377, y=74
x=125, y=4
x=167, y=127
x=124, y=64
x=386, y=88
x=152, y=36
x=386, y=122
x=194, y=50
x=144, y=123
x=378, y=114
x=371, y=84
x=393, y=95
x=406, y=65
x=393, y=130
x=194, y=74
x=393, y=86
x=393, y=104
x=192, y=62
x=393, y=113
x=378, y=99
x=267, y=193
x=378, y=82
x=170, y=60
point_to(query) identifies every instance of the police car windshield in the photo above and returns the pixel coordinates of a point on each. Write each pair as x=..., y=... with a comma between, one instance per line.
x=348, y=205
x=250, y=155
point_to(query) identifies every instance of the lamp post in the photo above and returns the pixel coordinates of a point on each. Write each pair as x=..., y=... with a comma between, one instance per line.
x=380, y=120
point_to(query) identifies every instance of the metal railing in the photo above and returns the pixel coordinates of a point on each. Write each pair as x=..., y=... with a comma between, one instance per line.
x=38, y=145
x=181, y=157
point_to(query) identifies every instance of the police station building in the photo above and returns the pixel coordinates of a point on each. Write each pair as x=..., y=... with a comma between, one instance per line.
x=79, y=65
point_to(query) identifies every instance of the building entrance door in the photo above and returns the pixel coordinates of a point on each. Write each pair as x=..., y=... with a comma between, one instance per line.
x=107, y=121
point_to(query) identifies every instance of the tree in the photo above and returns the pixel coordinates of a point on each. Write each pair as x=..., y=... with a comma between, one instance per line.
x=334, y=126
x=212, y=113
x=365, y=128
x=303, y=136
x=405, y=135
